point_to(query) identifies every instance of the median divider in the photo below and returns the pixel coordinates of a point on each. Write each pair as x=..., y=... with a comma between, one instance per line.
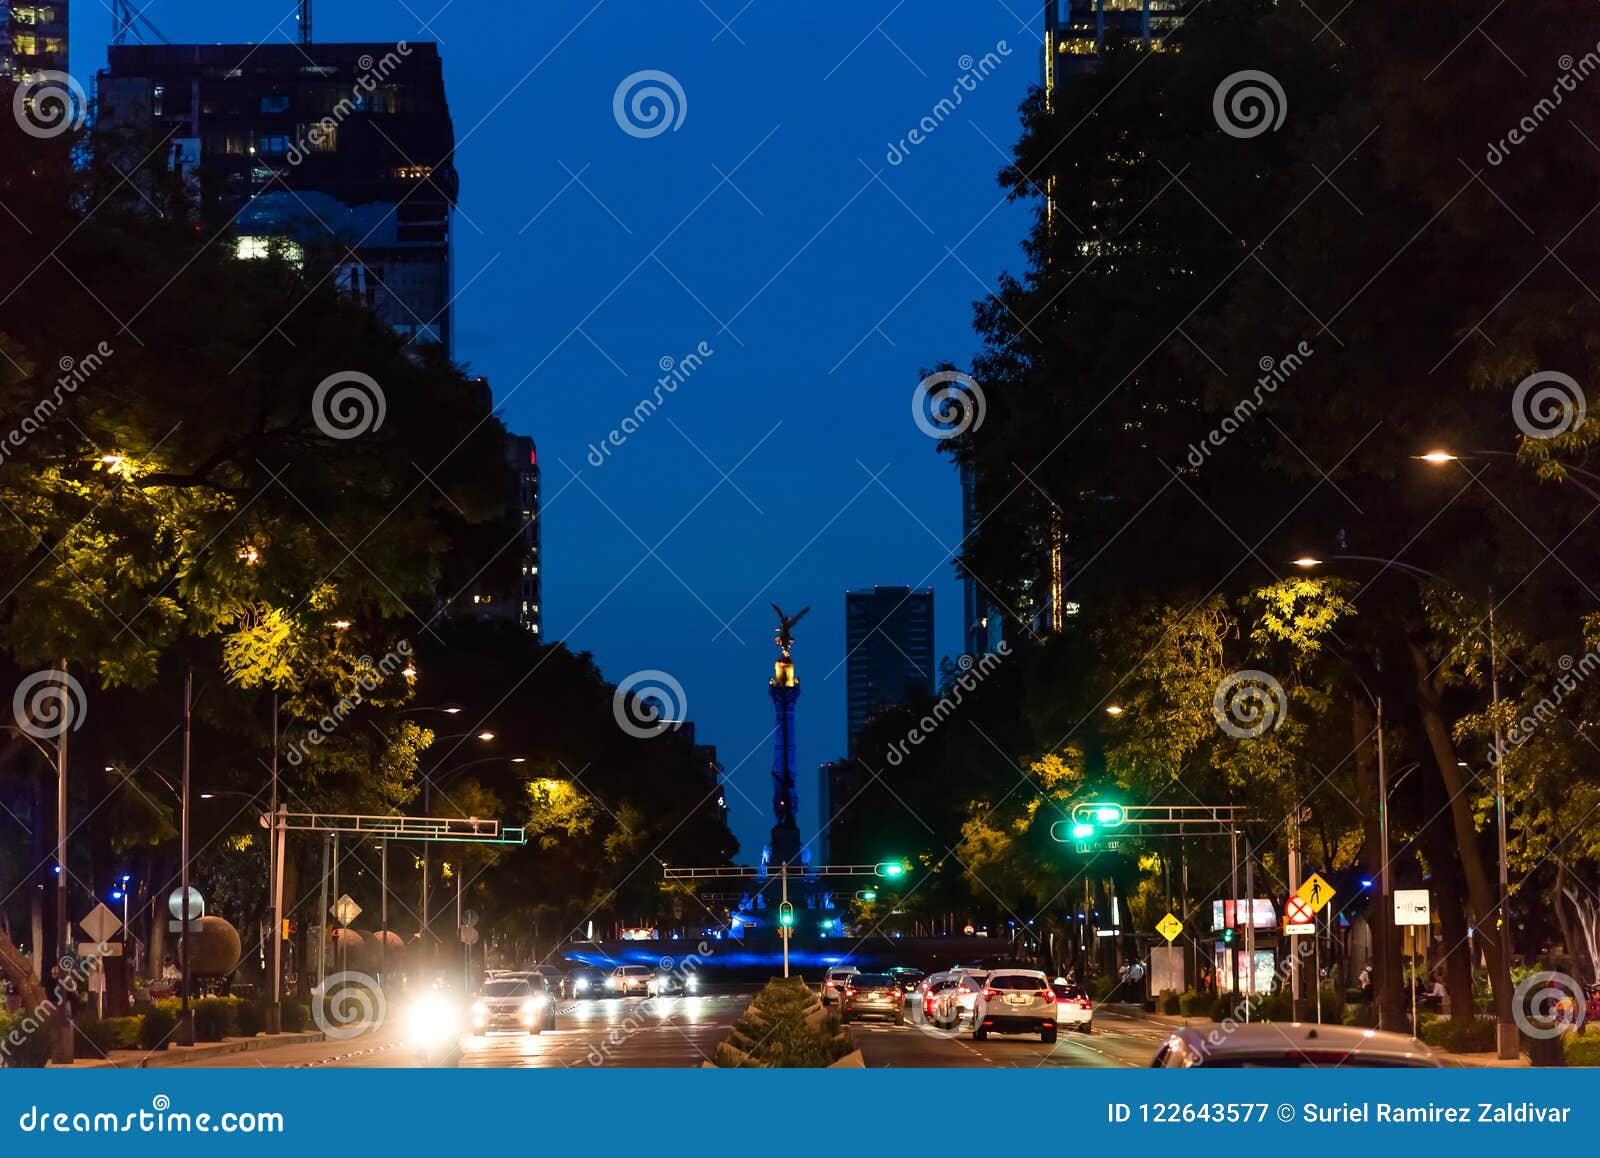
x=786, y=1027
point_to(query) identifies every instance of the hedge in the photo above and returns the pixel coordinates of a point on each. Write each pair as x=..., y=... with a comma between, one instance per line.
x=1460, y=1034
x=785, y=1028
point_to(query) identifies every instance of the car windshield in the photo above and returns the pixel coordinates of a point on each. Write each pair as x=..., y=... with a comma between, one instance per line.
x=1015, y=981
x=633, y=970
x=1068, y=992
x=507, y=989
x=841, y=974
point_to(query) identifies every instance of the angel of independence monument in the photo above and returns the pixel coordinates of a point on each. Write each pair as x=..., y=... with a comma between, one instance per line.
x=784, y=688
x=785, y=858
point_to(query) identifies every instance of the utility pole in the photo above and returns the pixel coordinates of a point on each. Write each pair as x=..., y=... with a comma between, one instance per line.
x=1294, y=875
x=185, y=1034
x=305, y=23
x=783, y=878
x=274, y=879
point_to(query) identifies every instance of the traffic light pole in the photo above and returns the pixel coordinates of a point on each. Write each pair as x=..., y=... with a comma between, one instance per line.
x=783, y=877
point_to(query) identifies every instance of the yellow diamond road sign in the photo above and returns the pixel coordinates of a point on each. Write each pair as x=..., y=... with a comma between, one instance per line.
x=1315, y=892
x=1169, y=927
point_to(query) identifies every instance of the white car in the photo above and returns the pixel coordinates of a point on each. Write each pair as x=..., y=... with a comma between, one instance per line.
x=1293, y=1045
x=1015, y=1001
x=834, y=982
x=948, y=998
x=629, y=980
x=1074, y=1007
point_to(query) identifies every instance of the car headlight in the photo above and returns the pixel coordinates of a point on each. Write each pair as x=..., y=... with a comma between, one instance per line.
x=480, y=1010
x=691, y=982
x=614, y=982
x=581, y=984
x=430, y=1021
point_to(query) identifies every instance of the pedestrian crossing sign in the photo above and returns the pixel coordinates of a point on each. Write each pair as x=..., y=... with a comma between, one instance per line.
x=1315, y=892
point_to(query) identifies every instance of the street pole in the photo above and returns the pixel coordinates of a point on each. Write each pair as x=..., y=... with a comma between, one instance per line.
x=383, y=910
x=1233, y=885
x=783, y=877
x=422, y=936
x=62, y=1046
x=460, y=882
x=334, y=889
x=274, y=876
x=1507, y=1038
x=322, y=909
x=1294, y=875
x=1249, y=929
x=185, y=1034
x=1385, y=923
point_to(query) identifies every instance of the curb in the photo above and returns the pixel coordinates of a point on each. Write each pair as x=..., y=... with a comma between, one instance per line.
x=179, y=1055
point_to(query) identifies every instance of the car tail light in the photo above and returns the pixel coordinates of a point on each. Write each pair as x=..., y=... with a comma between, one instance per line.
x=828, y=984
x=850, y=992
x=1085, y=1004
x=990, y=994
x=965, y=988
x=1048, y=996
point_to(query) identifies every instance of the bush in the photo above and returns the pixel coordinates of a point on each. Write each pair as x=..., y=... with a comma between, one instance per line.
x=1460, y=1034
x=156, y=1026
x=1192, y=1004
x=1365, y=1016
x=92, y=1038
x=784, y=1028
x=1222, y=1007
x=1275, y=1007
x=296, y=1015
x=1170, y=1002
x=215, y=1018
x=251, y=1017
x=33, y=1052
x=1583, y=1049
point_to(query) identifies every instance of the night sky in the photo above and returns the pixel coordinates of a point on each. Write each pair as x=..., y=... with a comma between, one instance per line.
x=585, y=256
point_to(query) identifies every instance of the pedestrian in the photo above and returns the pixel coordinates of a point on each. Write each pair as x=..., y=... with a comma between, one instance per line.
x=1365, y=981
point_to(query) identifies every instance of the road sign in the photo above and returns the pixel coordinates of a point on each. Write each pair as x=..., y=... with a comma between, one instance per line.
x=196, y=907
x=1169, y=927
x=101, y=924
x=469, y=935
x=345, y=910
x=100, y=948
x=1411, y=907
x=1298, y=917
x=470, y=918
x=1315, y=891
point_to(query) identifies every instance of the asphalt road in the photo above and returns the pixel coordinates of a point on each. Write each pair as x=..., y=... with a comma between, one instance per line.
x=683, y=1031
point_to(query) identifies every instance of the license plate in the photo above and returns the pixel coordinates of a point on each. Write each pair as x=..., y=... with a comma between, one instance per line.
x=1017, y=999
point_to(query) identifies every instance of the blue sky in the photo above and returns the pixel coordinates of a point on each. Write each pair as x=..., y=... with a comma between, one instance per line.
x=769, y=226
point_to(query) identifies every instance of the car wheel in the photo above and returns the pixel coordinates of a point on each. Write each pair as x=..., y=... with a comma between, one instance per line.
x=1048, y=1036
x=979, y=1033
x=900, y=1018
x=1086, y=1027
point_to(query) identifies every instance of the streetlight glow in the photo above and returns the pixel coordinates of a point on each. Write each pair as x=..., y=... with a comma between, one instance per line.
x=1114, y=709
x=1438, y=457
x=1307, y=561
x=485, y=736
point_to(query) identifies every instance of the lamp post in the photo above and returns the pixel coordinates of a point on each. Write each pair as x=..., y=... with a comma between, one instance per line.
x=1507, y=1038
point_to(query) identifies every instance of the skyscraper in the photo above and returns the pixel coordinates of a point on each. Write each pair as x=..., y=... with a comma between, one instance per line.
x=508, y=584
x=339, y=154
x=33, y=38
x=888, y=637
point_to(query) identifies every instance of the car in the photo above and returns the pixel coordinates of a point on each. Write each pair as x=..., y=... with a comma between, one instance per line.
x=674, y=983
x=969, y=982
x=908, y=978
x=1015, y=1001
x=555, y=979
x=629, y=980
x=1292, y=1045
x=937, y=993
x=586, y=981
x=872, y=995
x=834, y=982
x=520, y=1003
x=1074, y=1007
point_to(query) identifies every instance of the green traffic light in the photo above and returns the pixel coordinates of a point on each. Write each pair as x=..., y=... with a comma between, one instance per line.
x=869, y=894
x=1082, y=831
x=1227, y=936
x=1109, y=814
x=891, y=869
x=786, y=915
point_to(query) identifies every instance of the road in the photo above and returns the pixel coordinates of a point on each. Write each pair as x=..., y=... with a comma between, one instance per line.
x=684, y=1031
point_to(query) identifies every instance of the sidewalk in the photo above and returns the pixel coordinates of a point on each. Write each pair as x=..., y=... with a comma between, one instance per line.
x=183, y=1055
x=1177, y=1021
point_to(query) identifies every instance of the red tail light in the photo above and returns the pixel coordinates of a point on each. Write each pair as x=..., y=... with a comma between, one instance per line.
x=850, y=992
x=1048, y=996
x=1085, y=1004
x=990, y=994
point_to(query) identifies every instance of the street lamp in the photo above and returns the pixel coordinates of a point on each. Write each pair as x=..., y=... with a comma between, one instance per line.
x=1507, y=1039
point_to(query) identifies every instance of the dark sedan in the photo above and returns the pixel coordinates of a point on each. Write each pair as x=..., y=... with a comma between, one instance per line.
x=872, y=995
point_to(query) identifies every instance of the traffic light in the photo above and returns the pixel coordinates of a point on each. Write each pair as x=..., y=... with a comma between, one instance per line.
x=1082, y=832
x=867, y=895
x=1227, y=936
x=786, y=915
x=891, y=869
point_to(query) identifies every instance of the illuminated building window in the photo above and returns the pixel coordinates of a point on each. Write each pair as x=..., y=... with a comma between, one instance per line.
x=256, y=248
x=412, y=172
